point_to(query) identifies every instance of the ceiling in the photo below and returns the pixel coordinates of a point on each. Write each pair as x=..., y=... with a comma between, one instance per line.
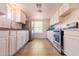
x=48, y=9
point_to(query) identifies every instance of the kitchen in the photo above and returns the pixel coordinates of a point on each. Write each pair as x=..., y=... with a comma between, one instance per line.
x=28, y=29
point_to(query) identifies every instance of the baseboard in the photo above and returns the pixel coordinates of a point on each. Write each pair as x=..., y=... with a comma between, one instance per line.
x=39, y=38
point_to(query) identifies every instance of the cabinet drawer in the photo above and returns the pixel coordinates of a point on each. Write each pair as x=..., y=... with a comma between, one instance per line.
x=12, y=33
x=76, y=33
x=71, y=36
x=4, y=33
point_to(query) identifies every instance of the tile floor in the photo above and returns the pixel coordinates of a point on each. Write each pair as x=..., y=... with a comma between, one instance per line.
x=38, y=47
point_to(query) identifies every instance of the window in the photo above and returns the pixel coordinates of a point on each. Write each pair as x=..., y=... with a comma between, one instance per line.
x=37, y=26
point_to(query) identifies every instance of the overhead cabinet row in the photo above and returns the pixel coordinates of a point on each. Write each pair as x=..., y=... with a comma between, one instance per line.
x=11, y=13
x=64, y=10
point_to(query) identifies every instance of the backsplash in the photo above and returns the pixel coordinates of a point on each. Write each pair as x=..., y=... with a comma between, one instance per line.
x=51, y=27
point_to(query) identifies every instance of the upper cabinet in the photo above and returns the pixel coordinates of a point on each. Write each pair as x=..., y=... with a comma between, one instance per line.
x=2, y=8
x=20, y=16
x=55, y=18
x=67, y=8
x=5, y=13
x=10, y=13
x=23, y=17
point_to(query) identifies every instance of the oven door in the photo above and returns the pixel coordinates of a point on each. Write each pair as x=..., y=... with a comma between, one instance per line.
x=57, y=38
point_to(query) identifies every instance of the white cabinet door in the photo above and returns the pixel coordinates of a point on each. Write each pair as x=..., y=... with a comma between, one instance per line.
x=64, y=9
x=50, y=35
x=71, y=42
x=19, y=40
x=27, y=36
x=3, y=47
x=8, y=18
x=23, y=17
x=4, y=21
x=20, y=16
x=12, y=43
x=71, y=47
x=4, y=37
x=23, y=37
x=2, y=18
x=2, y=8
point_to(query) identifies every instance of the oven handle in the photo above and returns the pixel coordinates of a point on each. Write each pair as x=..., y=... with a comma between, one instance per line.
x=56, y=31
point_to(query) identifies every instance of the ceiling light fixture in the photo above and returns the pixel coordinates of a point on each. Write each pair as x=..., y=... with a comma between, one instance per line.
x=39, y=6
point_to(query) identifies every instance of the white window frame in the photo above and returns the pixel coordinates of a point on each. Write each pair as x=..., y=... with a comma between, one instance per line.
x=34, y=29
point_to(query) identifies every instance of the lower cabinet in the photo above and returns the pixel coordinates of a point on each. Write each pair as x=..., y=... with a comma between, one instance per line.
x=71, y=42
x=22, y=38
x=4, y=36
x=19, y=40
x=71, y=47
x=12, y=43
x=25, y=36
x=50, y=36
x=3, y=47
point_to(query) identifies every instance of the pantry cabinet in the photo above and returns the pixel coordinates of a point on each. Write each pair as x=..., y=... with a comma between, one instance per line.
x=4, y=38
